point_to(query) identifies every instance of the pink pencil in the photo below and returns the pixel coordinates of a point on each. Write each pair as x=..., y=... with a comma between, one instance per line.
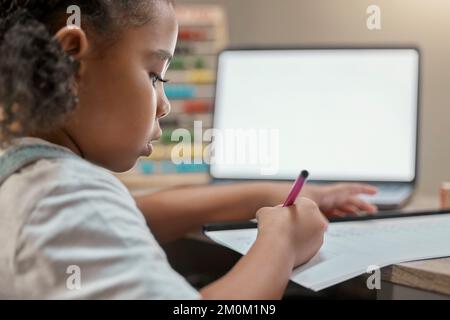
x=296, y=188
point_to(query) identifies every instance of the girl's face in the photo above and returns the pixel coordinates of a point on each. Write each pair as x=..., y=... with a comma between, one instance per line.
x=121, y=95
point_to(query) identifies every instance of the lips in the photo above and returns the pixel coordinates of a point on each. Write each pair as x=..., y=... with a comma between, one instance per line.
x=158, y=136
x=149, y=149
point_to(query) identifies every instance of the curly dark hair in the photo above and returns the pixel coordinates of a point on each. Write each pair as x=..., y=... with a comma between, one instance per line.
x=36, y=76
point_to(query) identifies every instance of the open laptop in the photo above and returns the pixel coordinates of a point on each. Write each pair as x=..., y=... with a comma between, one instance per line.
x=344, y=114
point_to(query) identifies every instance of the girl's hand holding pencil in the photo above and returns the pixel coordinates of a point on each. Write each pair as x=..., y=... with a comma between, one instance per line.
x=300, y=227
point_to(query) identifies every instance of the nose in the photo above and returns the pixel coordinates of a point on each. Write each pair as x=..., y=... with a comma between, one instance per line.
x=164, y=107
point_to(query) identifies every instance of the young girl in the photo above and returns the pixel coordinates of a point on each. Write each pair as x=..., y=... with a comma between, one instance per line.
x=76, y=101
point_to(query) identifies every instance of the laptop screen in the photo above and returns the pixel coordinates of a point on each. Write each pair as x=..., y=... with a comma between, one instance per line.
x=342, y=114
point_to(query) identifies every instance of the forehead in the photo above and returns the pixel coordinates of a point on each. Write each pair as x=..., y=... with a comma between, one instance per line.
x=157, y=37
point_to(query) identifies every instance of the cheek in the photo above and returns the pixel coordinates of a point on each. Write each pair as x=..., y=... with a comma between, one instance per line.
x=122, y=106
x=134, y=107
x=143, y=107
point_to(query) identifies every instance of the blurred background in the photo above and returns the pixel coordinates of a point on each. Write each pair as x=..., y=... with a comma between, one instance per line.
x=421, y=23
x=206, y=27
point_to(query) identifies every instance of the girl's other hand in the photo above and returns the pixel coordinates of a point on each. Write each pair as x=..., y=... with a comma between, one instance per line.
x=334, y=200
x=342, y=199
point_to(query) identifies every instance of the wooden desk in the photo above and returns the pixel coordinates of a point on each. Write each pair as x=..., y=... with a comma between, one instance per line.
x=414, y=280
x=427, y=279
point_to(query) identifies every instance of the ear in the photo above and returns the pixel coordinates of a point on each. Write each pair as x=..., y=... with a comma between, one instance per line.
x=74, y=41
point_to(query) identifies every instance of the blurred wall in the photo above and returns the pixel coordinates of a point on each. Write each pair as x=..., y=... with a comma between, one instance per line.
x=421, y=23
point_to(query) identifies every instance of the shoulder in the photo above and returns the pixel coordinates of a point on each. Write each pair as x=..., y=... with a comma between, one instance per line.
x=53, y=178
x=67, y=214
x=88, y=221
x=74, y=173
x=74, y=190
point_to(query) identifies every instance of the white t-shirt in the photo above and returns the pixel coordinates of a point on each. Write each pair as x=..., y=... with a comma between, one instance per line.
x=71, y=230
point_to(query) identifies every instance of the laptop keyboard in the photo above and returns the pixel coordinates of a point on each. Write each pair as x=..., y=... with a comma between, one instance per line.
x=391, y=188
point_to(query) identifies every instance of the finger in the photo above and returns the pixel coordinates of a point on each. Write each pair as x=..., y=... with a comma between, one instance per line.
x=360, y=188
x=349, y=209
x=362, y=205
x=336, y=213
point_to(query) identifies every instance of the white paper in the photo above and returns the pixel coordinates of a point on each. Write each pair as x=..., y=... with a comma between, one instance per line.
x=351, y=247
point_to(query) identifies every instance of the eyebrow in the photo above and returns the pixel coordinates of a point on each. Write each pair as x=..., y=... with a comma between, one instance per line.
x=163, y=55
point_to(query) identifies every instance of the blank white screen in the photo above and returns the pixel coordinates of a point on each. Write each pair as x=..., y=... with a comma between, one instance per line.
x=342, y=114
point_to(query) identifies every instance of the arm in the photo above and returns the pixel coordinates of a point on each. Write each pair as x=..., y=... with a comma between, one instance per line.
x=287, y=237
x=189, y=208
x=173, y=213
x=249, y=278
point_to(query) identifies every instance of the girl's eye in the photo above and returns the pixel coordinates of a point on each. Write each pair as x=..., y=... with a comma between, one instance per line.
x=155, y=78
